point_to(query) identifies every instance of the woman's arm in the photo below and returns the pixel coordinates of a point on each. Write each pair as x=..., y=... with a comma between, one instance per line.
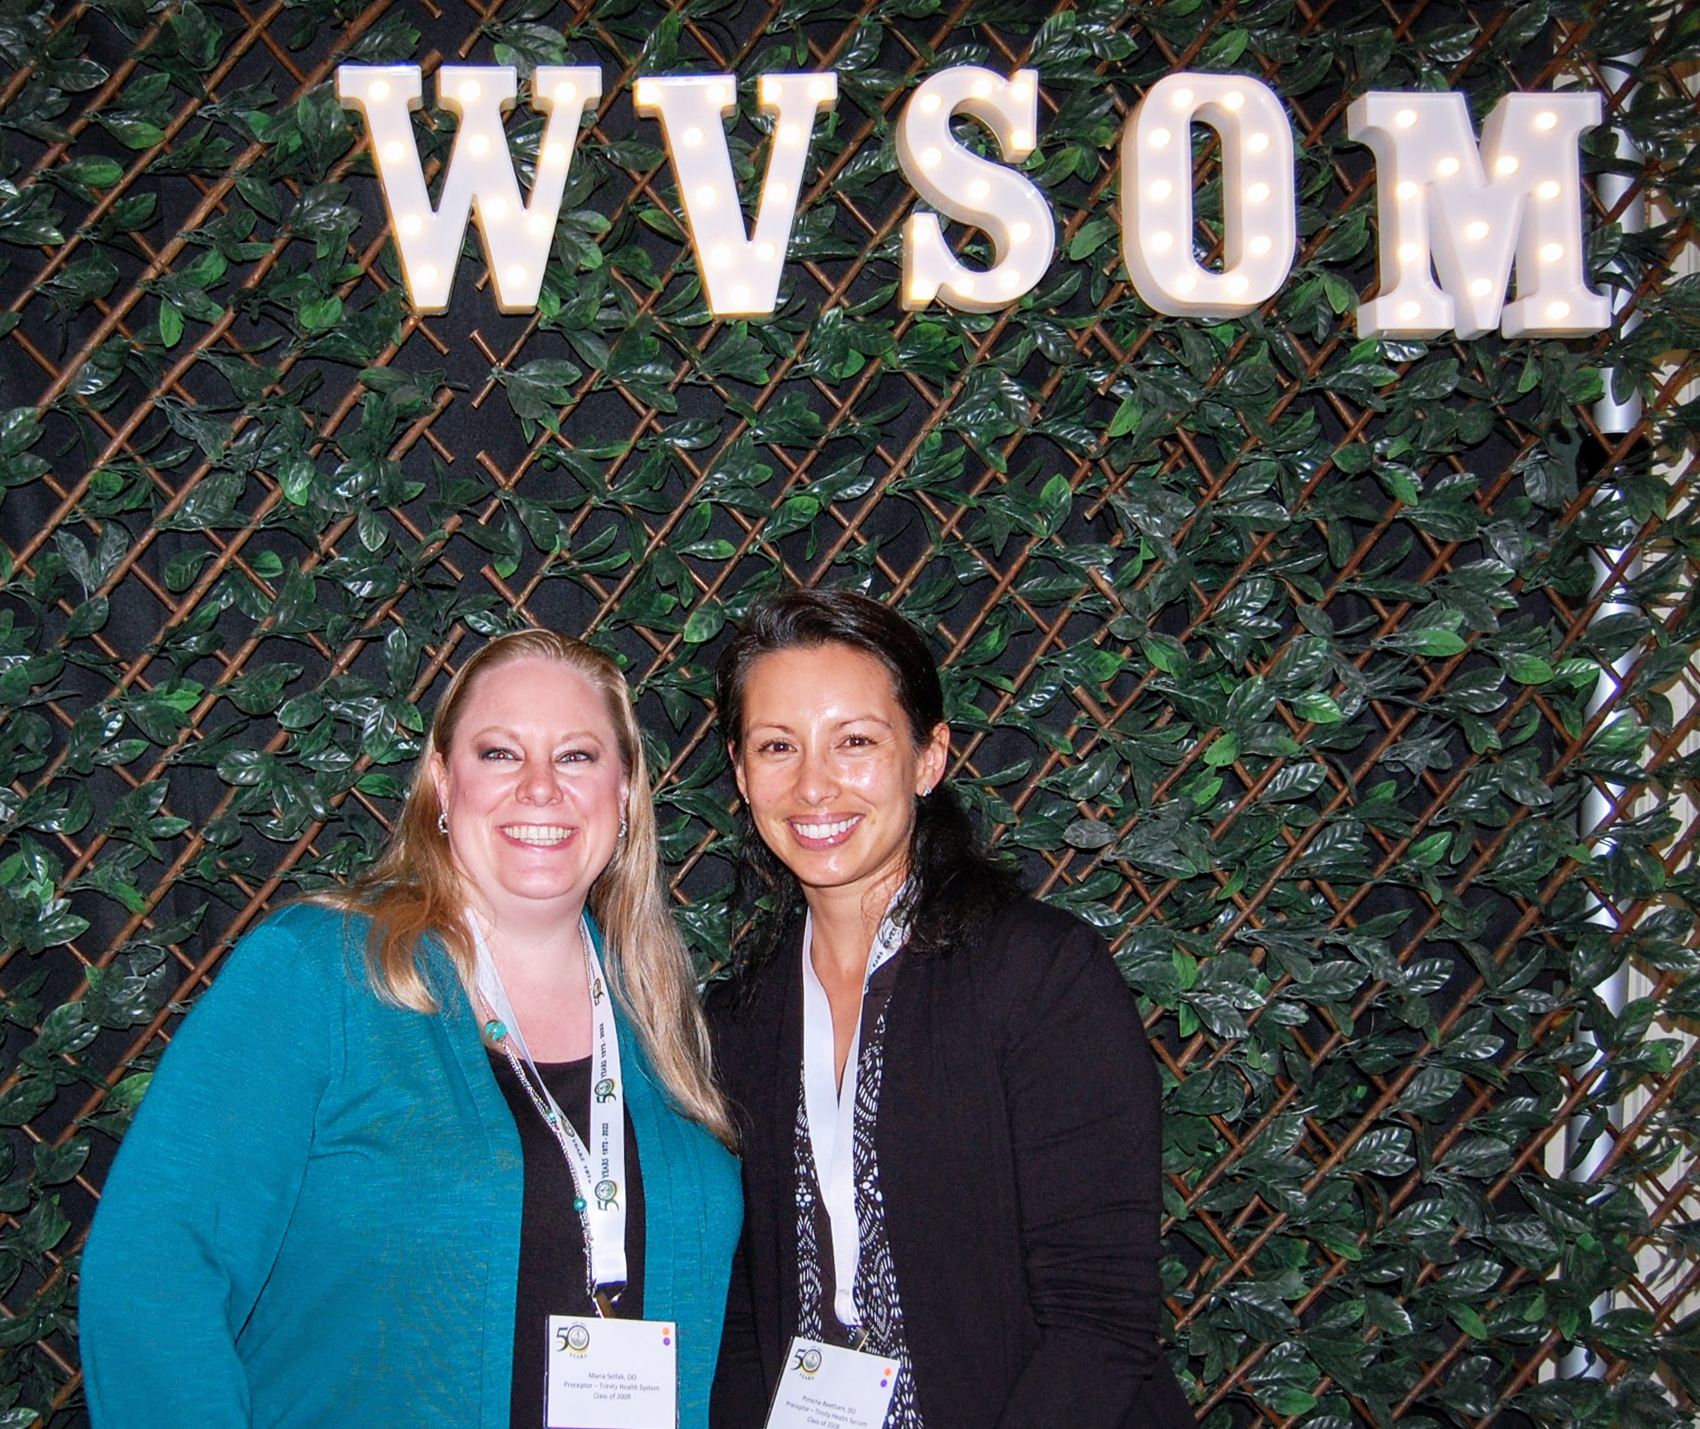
x=1082, y=1093
x=202, y=1190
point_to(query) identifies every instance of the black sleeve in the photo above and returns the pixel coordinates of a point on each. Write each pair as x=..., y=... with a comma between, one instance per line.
x=739, y=1400
x=1081, y=1088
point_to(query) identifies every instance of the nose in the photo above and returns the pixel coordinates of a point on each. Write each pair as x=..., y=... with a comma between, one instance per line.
x=540, y=782
x=817, y=779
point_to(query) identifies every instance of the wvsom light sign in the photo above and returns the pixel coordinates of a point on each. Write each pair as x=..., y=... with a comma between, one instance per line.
x=1459, y=218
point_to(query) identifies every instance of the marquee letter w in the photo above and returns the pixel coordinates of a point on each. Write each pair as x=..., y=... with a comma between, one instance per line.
x=480, y=180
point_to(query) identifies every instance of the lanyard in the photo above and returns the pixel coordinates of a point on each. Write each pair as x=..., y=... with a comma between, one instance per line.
x=831, y=1109
x=598, y=1171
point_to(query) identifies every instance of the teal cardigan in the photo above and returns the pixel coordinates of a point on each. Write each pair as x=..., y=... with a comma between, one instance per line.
x=315, y=1218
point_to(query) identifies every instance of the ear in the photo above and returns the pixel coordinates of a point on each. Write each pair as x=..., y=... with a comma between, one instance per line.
x=736, y=755
x=437, y=769
x=935, y=755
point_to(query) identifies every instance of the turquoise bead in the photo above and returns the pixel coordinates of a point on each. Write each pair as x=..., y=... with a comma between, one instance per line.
x=495, y=1029
x=578, y=1203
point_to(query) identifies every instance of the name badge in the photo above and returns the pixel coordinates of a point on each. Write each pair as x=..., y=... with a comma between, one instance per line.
x=612, y=1374
x=826, y=1387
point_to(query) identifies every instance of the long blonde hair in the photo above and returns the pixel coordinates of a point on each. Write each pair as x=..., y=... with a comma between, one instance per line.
x=414, y=890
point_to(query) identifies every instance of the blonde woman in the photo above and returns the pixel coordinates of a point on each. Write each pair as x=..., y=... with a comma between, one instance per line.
x=424, y=1141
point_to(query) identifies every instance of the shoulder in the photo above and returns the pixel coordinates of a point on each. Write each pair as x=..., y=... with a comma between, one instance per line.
x=1028, y=933
x=1031, y=957
x=307, y=950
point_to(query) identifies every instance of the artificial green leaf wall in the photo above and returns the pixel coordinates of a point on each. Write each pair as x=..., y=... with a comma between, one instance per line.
x=1345, y=684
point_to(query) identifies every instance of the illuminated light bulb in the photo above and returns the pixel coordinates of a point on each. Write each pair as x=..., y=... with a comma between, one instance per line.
x=1405, y=118
x=1409, y=252
x=1558, y=312
x=964, y=286
x=1010, y=278
x=566, y=92
x=1546, y=119
x=1507, y=165
x=393, y=151
x=1258, y=192
x=819, y=91
x=1181, y=98
x=495, y=209
x=411, y=223
x=1161, y=189
x=1410, y=311
x=1158, y=138
x=1021, y=91
x=930, y=103
x=1163, y=241
x=1548, y=190
x=648, y=93
x=1447, y=167
x=1551, y=252
x=930, y=158
x=790, y=134
x=1476, y=231
x=516, y=276
x=470, y=90
x=1185, y=283
x=919, y=292
x=1480, y=288
x=427, y=276
x=1020, y=140
x=554, y=153
x=1257, y=143
x=979, y=189
x=721, y=256
x=1020, y=232
x=538, y=224
x=780, y=191
x=480, y=144
x=1233, y=99
x=1406, y=190
x=707, y=194
x=772, y=89
x=981, y=89
x=740, y=296
x=692, y=137
x=765, y=251
x=1237, y=285
x=717, y=94
x=378, y=91
x=1261, y=244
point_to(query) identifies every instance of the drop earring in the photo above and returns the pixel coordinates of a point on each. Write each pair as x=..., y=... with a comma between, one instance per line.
x=443, y=822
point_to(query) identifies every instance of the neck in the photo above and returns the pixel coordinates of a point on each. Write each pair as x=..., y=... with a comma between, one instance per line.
x=537, y=950
x=844, y=925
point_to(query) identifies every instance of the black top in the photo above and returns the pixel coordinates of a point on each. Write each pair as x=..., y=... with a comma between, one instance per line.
x=551, y=1237
x=1019, y=1152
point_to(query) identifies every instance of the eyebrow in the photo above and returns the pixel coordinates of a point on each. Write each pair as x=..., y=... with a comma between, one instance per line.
x=502, y=731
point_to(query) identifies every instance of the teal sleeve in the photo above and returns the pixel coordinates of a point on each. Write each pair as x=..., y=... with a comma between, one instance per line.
x=202, y=1190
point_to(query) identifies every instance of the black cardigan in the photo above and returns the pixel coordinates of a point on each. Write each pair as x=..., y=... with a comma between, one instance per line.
x=1019, y=1159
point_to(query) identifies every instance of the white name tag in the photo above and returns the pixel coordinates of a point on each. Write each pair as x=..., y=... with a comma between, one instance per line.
x=612, y=1374
x=825, y=1387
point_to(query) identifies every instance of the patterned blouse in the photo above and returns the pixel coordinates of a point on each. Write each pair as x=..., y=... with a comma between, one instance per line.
x=876, y=1276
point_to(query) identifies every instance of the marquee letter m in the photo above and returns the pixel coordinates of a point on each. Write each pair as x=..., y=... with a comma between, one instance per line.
x=1470, y=210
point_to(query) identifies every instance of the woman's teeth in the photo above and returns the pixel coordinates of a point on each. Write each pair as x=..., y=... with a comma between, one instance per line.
x=825, y=831
x=542, y=834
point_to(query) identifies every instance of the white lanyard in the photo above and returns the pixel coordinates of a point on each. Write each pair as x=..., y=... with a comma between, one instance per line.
x=830, y=1108
x=599, y=1172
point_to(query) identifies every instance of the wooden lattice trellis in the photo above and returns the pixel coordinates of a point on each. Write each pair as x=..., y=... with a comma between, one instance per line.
x=1281, y=657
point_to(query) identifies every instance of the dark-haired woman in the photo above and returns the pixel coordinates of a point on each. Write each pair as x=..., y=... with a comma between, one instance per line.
x=947, y=1105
